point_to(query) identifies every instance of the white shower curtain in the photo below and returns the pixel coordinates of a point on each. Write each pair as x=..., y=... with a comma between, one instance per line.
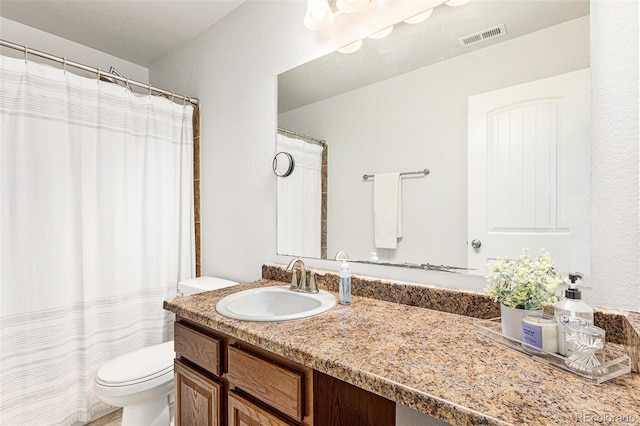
x=299, y=200
x=96, y=229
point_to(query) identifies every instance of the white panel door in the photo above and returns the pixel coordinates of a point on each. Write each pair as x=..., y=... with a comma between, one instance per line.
x=529, y=171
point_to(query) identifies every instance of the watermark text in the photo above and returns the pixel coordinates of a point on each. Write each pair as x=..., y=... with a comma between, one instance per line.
x=607, y=418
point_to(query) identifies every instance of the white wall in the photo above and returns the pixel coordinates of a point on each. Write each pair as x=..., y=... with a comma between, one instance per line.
x=232, y=69
x=367, y=132
x=18, y=33
x=615, y=155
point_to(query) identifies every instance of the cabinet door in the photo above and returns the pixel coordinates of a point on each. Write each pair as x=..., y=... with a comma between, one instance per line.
x=197, y=401
x=244, y=413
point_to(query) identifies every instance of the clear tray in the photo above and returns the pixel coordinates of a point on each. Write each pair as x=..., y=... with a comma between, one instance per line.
x=618, y=362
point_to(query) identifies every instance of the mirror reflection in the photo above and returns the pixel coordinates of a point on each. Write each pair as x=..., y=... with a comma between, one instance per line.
x=491, y=97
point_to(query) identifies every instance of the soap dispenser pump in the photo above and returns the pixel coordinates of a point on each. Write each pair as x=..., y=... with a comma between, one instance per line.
x=571, y=311
x=572, y=292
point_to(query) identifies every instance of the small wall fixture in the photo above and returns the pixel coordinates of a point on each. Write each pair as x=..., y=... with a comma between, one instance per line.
x=283, y=164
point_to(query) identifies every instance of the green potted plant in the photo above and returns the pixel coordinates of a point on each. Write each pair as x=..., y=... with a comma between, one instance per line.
x=520, y=285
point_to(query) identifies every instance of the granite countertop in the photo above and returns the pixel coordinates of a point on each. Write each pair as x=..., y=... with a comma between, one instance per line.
x=428, y=360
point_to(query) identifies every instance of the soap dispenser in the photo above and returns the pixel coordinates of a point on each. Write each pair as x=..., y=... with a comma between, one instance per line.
x=345, y=283
x=345, y=278
x=571, y=311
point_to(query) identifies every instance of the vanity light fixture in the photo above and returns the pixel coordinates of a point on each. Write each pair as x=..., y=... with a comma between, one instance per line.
x=382, y=33
x=351, y=47
x=420, y=17
x=319, y=15
x=349, y=6
x=344, y=7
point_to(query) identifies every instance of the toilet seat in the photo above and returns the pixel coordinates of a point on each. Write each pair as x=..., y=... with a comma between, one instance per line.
x=138, y=367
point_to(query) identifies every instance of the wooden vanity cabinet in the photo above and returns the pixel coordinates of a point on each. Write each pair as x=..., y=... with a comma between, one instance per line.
x=220, y=380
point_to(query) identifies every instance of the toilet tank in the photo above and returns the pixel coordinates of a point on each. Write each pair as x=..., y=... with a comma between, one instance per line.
x=200, y=284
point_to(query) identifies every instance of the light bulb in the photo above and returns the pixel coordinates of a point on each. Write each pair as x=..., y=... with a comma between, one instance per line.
x=319, y=15
x=381, y=33
x=348, y=6
x=351, y=47
x=420, y=17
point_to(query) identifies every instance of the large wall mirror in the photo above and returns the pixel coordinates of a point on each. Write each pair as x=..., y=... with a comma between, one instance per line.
x=492, y=97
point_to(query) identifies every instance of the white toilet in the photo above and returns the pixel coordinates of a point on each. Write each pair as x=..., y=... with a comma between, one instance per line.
x=142, y=381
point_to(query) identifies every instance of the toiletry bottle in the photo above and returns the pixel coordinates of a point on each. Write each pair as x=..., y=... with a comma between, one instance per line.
x=571, y=311
x=345, y=283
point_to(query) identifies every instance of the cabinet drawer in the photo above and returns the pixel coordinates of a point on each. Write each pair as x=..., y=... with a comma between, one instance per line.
x=198, y=348
x=273, y=384
x=243, y=412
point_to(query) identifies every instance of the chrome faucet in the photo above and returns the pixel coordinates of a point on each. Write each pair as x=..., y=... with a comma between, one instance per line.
x=302, y=285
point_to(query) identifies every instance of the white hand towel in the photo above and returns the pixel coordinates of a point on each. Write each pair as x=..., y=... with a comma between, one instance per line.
x=387, y=210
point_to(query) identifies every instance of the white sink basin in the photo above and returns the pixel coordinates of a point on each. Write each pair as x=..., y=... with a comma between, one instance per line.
x=274, y=304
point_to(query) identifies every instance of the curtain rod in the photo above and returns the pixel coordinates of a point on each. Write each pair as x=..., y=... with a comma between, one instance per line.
x=301, y=136
x=29, y=51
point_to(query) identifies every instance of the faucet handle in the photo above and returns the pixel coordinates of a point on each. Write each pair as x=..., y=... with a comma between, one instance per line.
x=341, y=255
x=294, y=280
x=303, y=279
x=313, y=286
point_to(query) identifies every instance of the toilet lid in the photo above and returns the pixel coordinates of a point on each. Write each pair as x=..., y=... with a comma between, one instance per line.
x=137, y=366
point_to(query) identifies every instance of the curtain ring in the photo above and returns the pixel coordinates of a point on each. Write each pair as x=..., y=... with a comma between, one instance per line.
x=98, y=74
x=184, y=101
x=64, y=65
x=149, y=89
x=126, y=85
x=172, y=95
x=26, y=52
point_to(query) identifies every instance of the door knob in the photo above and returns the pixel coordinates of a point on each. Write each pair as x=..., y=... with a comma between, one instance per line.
x=476, y=244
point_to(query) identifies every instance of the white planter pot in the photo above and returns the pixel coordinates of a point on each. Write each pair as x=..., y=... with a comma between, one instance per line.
x=511, y=319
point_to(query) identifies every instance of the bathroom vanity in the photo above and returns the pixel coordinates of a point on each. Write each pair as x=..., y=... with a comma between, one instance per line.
x=353, y=363
x=219, y=377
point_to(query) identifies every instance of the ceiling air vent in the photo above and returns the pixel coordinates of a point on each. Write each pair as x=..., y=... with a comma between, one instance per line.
x=495, y=31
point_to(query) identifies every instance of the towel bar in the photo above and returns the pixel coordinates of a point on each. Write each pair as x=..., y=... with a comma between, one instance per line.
x=421, y=172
